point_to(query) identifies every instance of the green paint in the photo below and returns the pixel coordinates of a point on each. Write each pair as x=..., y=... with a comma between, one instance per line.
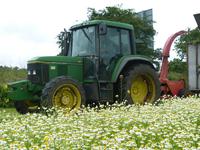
x=127, y=59
x=76, y=72
x=57, y=60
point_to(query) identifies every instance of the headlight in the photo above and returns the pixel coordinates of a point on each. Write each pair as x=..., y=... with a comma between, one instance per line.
x=29, y=72
x=34, y=72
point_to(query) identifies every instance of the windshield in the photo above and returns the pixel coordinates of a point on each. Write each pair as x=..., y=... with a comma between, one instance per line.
x=83, y=41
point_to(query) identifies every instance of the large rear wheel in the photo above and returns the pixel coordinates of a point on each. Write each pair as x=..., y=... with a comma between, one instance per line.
x=141, y=85
x=63, y=92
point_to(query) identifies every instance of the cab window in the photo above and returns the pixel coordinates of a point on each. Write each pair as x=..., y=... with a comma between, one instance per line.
x=125, y=42
x=110, y=44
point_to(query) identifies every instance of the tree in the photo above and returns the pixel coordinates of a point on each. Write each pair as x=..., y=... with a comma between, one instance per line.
x=143, y=28
x=192, y=37
x=60, y=42
x=177, y=65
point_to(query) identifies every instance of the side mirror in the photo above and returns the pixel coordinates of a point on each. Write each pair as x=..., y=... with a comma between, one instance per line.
x=102, y=29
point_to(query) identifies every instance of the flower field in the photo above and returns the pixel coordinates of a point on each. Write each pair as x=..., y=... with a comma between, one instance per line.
x=173, y=124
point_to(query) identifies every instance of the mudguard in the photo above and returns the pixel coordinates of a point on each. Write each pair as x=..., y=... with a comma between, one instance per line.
x=129, y=60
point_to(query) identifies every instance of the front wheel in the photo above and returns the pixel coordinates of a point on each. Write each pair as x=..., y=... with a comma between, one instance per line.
x=26, y=106
x=141, y=85
x=63, y=92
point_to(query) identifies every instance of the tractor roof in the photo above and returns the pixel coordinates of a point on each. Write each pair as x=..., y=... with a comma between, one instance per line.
x=108, y=23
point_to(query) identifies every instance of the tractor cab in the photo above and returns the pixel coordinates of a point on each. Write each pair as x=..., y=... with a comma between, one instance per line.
x=102, y=42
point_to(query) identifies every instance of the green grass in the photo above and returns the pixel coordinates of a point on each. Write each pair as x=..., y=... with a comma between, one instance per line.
x=7, y=114
x=5, y=111
x=174, y=124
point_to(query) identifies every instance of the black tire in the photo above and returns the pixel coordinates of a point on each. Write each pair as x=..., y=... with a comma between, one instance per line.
x=24, y=107
x=72, y=90
x=21, y=107
x=141, y=85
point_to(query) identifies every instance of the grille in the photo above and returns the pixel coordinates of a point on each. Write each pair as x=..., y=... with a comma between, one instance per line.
x=38, y=73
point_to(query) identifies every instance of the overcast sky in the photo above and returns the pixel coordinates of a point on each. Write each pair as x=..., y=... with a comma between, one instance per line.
x=28, y=28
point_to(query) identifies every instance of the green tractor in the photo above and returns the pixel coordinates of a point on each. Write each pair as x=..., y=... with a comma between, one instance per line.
x=98, y=65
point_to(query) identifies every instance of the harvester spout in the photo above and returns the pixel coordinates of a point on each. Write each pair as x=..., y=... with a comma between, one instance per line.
x=165, y=55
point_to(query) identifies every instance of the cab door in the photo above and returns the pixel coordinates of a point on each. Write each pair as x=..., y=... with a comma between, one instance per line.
x=113, y=45
x=109, y=49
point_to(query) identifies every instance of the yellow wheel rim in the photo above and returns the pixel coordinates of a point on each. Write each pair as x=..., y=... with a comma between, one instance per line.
x=142, y=89
x=67, y=96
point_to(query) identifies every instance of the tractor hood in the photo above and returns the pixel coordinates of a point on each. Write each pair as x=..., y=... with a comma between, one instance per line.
x=57, y=60
x=43, y=69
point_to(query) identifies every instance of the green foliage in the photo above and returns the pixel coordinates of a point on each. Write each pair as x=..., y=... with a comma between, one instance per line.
x=177, y=70
x=4, y=101
x=177, y=76
x=177, y=65
x=192, y=37
x=9, y=74
x=174, y=124
x=61, y=42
